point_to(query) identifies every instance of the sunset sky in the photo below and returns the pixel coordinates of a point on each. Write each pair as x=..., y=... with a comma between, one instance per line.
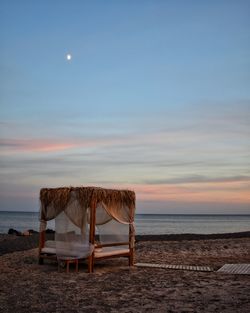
x=156, y=98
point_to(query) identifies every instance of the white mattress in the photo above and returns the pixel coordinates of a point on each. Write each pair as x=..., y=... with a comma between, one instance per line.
x=50, y=248
x=109, y=251
x=50, y=244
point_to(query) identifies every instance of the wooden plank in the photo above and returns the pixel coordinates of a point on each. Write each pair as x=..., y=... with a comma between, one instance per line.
x=243, y=269
x=111, y=244
x=176, y=267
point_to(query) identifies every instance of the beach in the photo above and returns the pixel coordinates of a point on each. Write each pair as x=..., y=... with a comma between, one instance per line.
x=114, y=287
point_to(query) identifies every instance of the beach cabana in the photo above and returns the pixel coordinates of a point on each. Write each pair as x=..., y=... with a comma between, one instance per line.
x=90, y=223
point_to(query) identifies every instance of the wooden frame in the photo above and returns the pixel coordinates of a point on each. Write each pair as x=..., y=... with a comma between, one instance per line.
x=92, y=258
x=92, y=235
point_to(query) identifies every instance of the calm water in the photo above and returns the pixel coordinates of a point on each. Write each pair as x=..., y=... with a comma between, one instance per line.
x=146, y=224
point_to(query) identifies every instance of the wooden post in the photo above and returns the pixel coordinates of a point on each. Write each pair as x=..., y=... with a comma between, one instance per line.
x=92, y=235
x=131, y=245
x=41, y=245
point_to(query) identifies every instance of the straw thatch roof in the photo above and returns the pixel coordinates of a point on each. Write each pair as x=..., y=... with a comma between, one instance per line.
x=60, y=197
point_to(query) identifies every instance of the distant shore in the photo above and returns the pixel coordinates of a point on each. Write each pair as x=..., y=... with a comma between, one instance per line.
x=180, y=237
x=13, y=243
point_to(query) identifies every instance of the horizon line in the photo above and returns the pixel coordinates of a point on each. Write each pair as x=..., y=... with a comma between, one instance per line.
x=203, y=214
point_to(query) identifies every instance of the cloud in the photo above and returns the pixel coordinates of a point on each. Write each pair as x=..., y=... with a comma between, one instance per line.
x=191, y=158
x=33, y=145
x=55, y=144
x=198, y=179
x=180, y=207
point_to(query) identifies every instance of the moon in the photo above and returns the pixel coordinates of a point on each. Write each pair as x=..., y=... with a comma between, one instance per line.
x=68, y=56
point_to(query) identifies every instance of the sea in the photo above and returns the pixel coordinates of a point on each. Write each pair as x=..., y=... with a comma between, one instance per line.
x=146, y=224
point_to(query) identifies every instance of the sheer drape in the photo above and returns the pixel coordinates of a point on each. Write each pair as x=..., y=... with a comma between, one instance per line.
x=71, y=241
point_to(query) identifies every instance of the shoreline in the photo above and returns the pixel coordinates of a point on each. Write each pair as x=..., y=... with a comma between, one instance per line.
x=13, y=243
x=190, y=236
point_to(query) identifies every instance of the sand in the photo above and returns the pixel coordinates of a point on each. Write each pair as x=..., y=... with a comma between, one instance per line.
x=114, y=287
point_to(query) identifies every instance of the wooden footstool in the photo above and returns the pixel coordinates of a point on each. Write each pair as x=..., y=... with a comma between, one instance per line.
x=68, y=260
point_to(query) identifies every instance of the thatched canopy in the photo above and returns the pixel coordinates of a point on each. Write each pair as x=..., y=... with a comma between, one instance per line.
x=120, y=204
x=81, y=211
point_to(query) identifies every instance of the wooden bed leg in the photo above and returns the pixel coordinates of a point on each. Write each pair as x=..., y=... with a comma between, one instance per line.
x=90, y=264
x=41, y=245
x=40, y=261
x=131, y=258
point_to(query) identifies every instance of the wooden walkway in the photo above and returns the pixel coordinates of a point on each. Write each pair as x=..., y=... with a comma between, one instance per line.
x=227, y=268
x=235, y=269
x=177, y=267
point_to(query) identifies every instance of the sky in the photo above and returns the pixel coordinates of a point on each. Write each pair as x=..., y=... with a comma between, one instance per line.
x=156, y=99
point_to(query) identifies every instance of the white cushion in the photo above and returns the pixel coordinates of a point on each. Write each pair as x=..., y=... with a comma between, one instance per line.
x=48, y=250
x=109, y=251
x=50, y=244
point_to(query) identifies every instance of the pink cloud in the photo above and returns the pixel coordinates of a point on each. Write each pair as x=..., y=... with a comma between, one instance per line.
x=232, y=192
x=42, y=145
x=31, y=145
x=53, y=145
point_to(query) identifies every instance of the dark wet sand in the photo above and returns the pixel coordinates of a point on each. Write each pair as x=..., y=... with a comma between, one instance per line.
x=114, y=287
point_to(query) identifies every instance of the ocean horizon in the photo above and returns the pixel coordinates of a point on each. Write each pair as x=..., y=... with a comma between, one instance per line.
x=146, y=224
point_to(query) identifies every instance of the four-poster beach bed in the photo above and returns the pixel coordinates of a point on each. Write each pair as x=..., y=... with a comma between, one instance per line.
x=78, y=213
